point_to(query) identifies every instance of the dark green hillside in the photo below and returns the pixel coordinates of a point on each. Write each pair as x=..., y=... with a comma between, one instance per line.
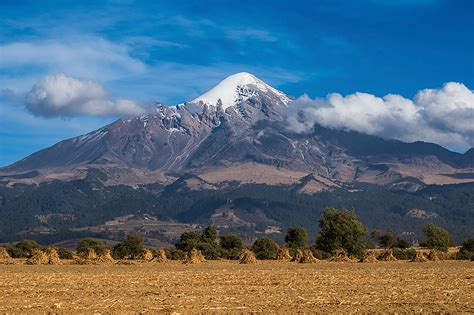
x=59, y=206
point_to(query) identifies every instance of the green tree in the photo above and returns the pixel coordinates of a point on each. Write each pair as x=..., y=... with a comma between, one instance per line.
x=65, y=253
x=85, y=244
x=231, y=245
x=296, y=237
x=134, y=245
x=467, y=250
x=209, y=235
x=265, y=248
x=387, y=239
x=188, y=241
x=437, y=237
x=131, y=247
x=341, y=230
x=401, y=243
x=206, y=242
x=22, y=249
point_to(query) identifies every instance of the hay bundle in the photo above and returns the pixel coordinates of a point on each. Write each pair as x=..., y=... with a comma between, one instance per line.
x=194, y=257
x=369, y=257
x=105, y=257
x=53, y=257
x=38, y=257
x=298, y=256
x=432, y=256
x=339, y=255
x=87, y=258
x=283, y=254
x=419, y=257
x=308, y=257
x=89, y=255
x=4, y=254
x=5, y=258
x=387, y=256
x=160, y=256
x=247, y=257
x=146, y=255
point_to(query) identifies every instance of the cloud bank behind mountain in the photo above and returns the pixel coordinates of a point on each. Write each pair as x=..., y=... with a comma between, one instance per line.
x=444, y=116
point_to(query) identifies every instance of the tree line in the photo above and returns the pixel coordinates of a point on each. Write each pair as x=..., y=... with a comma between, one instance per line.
x=340, y=230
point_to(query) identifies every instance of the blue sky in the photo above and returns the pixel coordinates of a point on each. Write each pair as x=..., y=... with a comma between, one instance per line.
x=171, y=51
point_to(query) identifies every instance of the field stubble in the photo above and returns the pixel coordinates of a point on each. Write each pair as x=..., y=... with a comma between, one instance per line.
x=222, y=286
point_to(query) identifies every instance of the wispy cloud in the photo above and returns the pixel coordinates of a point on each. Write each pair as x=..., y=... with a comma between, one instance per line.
x=84, y=56
x=250, y=34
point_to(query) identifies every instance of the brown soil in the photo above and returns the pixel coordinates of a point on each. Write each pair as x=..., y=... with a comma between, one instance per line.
x=228, y=287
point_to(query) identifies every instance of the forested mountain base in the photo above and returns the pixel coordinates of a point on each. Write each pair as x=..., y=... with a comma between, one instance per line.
x=49, y=211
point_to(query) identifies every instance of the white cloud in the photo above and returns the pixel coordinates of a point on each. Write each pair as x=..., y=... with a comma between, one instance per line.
x=80, y=56
x=250, y=34
x=444, y=116
x=61, y=95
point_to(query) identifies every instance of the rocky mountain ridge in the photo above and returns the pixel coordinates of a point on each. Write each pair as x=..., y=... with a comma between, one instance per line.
x=237, y=132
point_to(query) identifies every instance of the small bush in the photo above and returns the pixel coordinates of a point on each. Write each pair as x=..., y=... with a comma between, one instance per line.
x=210, y=250
x=175, y=254
x=319, y=254
x=265, y=248
x=65, y=253
x=296, y=238
x=404, y=254
x=467, y=250
x=232, y=254
x=132, y=247
x=85, y=244
x=15, y=252
x=231, y=246
x=401, y=243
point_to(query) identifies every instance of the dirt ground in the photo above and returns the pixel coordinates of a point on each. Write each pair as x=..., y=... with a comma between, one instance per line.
x=227, y=287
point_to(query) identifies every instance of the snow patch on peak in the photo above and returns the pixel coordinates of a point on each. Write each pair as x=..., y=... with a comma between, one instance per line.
x=236, y=88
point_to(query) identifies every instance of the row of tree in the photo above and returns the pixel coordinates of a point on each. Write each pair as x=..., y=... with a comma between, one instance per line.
x=339, y=230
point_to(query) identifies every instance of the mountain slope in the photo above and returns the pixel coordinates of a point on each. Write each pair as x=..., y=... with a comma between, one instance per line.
x=237, y=132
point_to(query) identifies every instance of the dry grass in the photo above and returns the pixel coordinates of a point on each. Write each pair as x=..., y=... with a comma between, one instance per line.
x=160, y=257
x=419, y=257
x=38, y=257
x=387, y=255
x=146, y=255
x=194, y=257
x=247, y=257
x=369, y=257
x=283, y=254
x=224, y=286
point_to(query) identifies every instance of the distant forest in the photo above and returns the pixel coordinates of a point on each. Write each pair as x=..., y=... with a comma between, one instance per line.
x=61, y=205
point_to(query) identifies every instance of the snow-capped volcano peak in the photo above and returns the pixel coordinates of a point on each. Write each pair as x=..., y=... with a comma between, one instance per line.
x=236, y=88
